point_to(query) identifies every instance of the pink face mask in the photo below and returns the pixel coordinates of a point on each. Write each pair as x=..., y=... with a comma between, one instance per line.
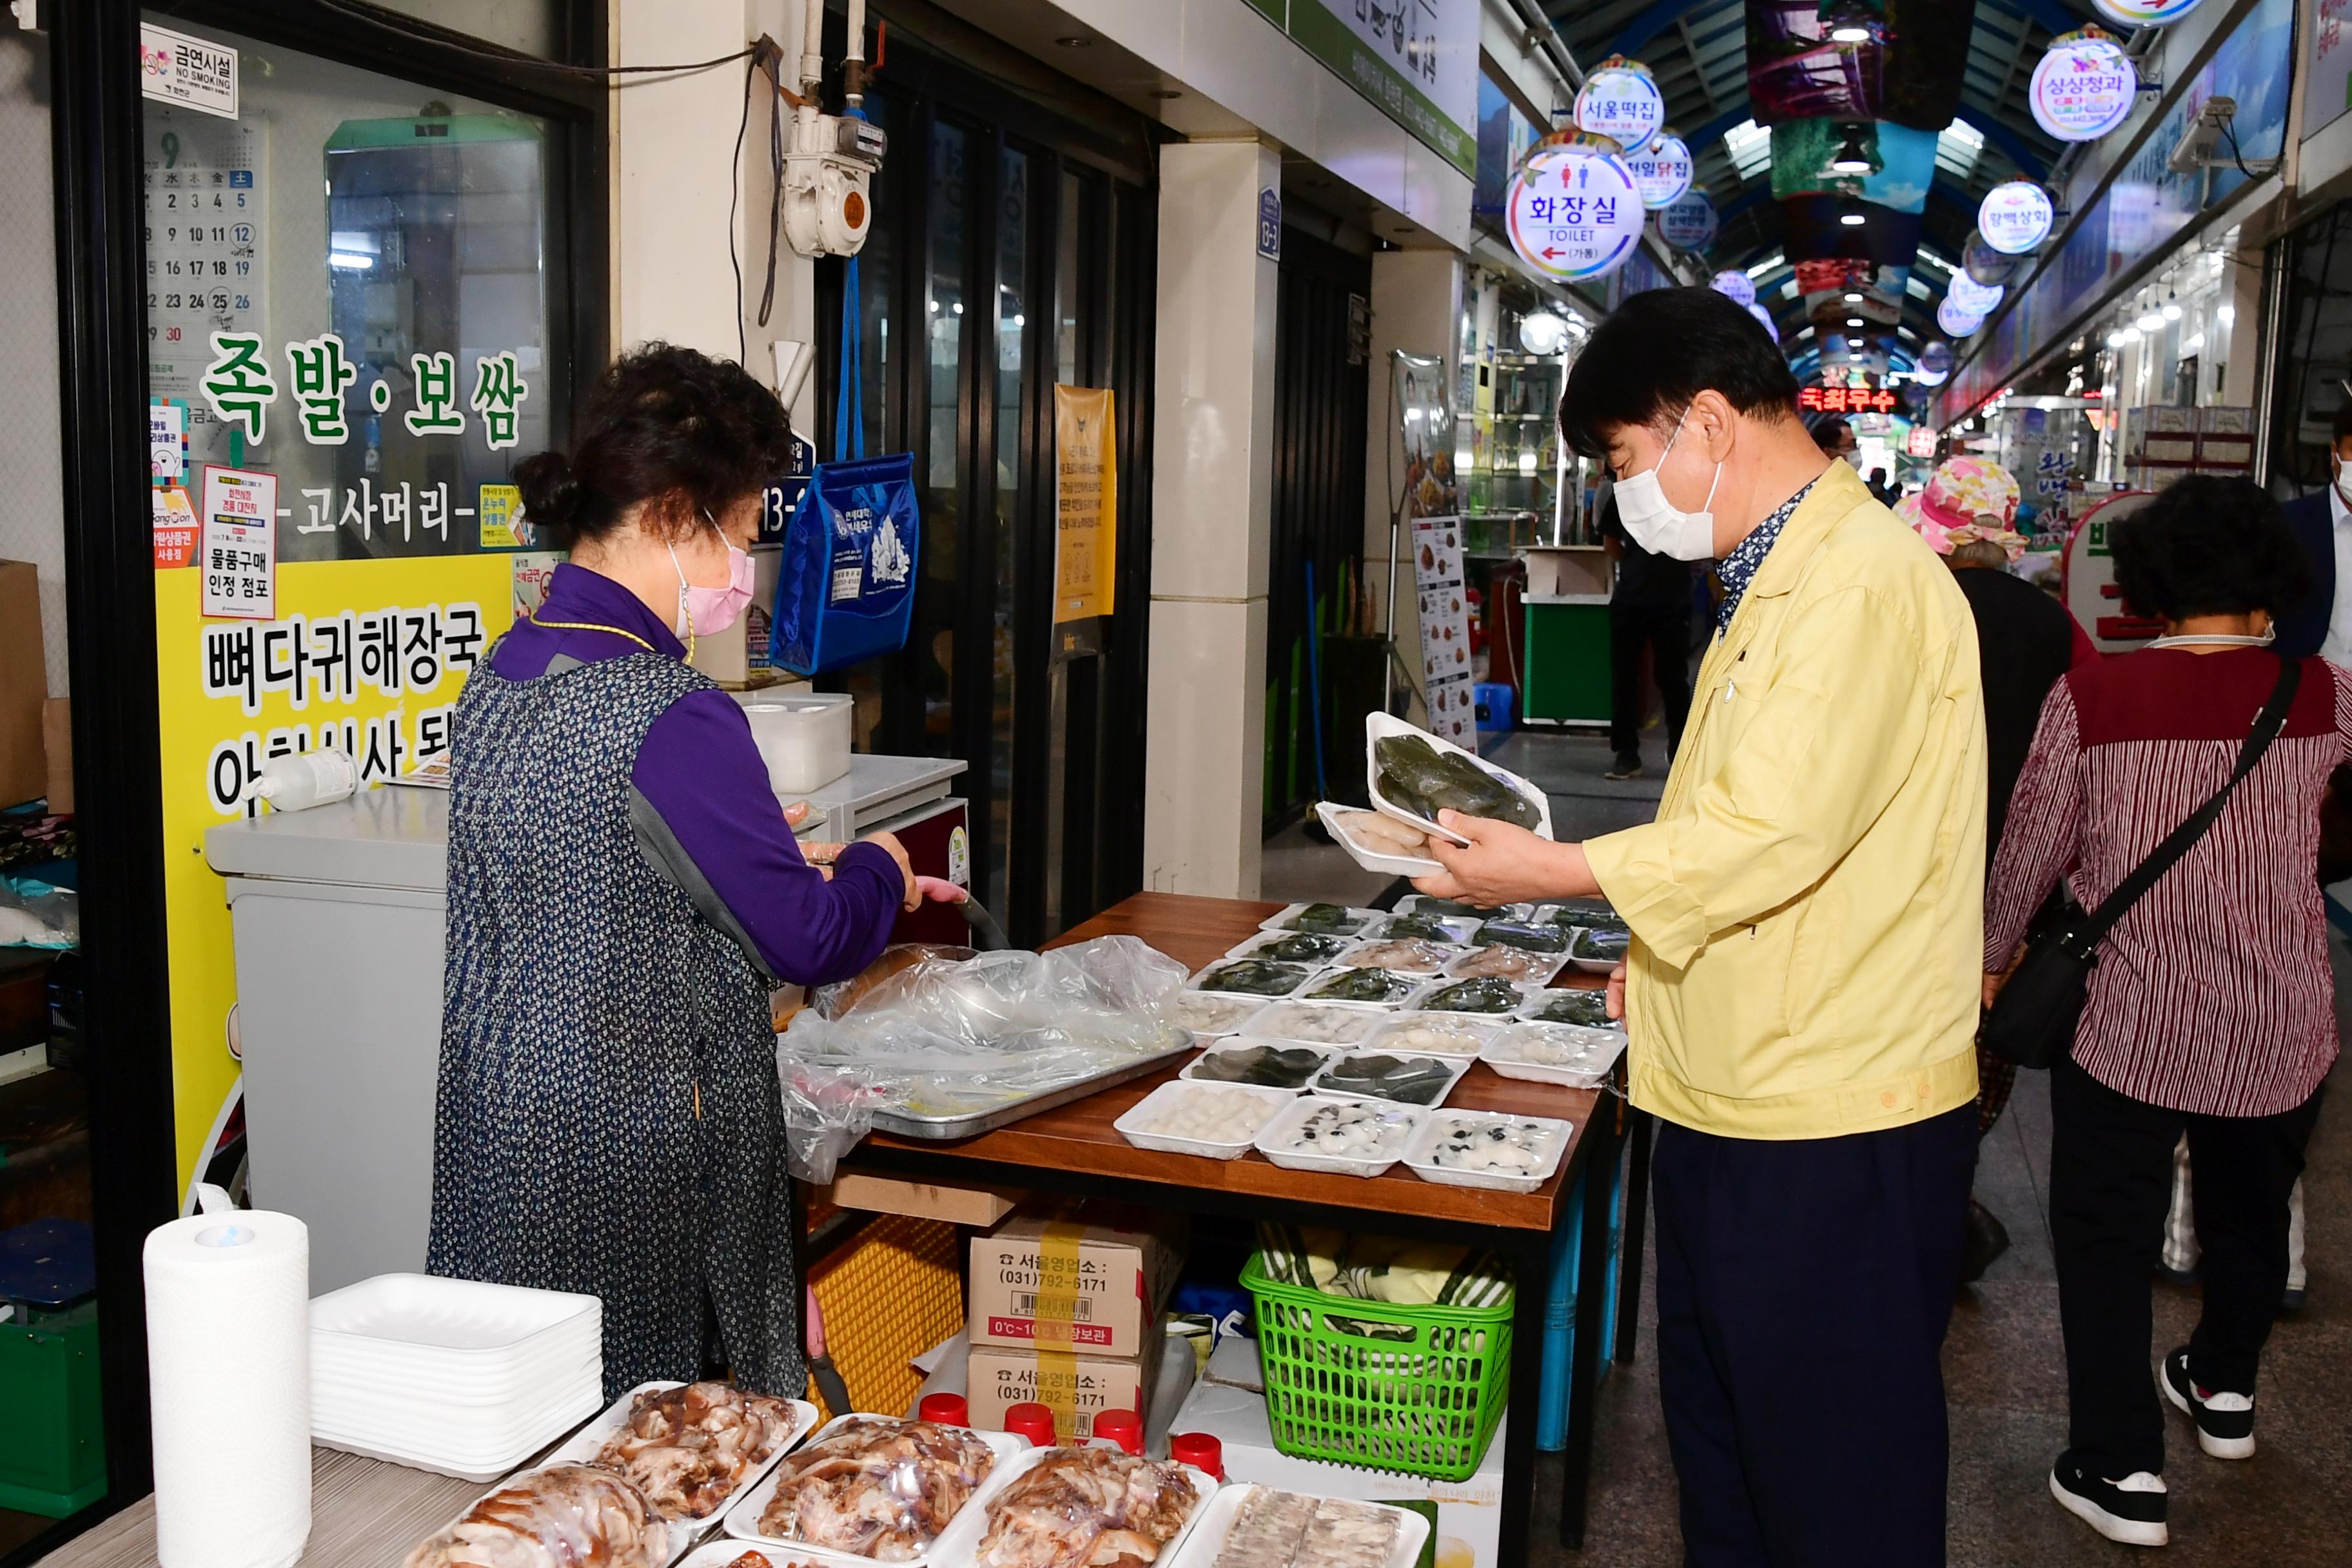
x=713, y=610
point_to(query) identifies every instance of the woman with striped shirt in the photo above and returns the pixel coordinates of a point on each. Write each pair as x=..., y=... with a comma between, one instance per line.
x=2210, y=1009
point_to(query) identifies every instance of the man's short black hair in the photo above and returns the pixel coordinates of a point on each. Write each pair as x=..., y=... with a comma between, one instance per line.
x=1659, y=350
x=2210, y=547
x=2341, y=425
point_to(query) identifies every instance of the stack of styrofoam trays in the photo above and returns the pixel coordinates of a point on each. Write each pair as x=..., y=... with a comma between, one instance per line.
x=1566, y=1054
x=452, y=1375
x=1321, y=1024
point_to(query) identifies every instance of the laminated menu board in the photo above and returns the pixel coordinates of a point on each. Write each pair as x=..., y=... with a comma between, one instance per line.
x=1444, y=597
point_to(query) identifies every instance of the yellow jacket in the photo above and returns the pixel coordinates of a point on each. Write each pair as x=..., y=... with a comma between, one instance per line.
x=1808, y=909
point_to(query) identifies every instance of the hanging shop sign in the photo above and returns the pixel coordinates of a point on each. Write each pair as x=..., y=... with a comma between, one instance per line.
x=1661, y=171
x=1417, y=63
x=1086, y=506
x=1687, y=223
x=1955, y=321
x=1441, y=586
x=1846, y=400
x=2083, y=87
x=1973, y=298
x=2144, y=13
x=1735, y=284
x=1573, y=210
x=1984, y=263
x=1621, y=101
x=2015, y=216
x=1764, y=319
x=1935, y=367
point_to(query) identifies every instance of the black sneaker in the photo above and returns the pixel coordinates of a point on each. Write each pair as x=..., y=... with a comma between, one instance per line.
x=2225, y=1422
x=1626, y=767
x=2130, y=1512
x=1986, y=1239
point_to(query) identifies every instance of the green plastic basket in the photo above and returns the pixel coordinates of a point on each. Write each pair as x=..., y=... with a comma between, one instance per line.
x=1416, y=1389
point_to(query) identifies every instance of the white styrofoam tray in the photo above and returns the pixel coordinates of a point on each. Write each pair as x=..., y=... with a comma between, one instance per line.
x=402, y=1384
x=583, y=1445
x=958, y=1545
x=1427, y=966
x=1400, y=994
x=458, y=1431
x=1418, y=1159
x=1191, y=1074
x=1590, y=966
x=474, y=1321
x=1598, y=1048
x=469, y=1464
x=1135, y=1125
x=1425, y=904
x=1535, y=1003
x=1427, y=1001
x=1347, y=1022
x=742, y=1519
x=1257, y=942
x=1542, y=967
x=1208, y=1534
x=1337, y=818
x=1209, y=1014
x=1363, y=920
x=1456, y=1065
x=1458, y=929
x=1459, y=1039
x=1273, y=1142
x=1378, y=726
x=1306, y=972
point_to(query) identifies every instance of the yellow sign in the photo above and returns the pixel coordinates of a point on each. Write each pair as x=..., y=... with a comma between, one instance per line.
x=364, y=656
x=1086, y=496
x=496, y=508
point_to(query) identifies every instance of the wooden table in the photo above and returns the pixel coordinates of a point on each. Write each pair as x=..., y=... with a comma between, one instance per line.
x=369, y=1514
x=1074, y=1150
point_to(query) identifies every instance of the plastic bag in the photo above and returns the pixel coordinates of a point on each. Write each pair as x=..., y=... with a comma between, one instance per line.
x=34, y=914
x=951, y=1032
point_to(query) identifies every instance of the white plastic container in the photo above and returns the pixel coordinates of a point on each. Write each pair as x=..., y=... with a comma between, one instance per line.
x=1358, y=921
x=1457, y=1066
x=1202, y=983
x=1531, y=1011
x=1537, y=968
x=1260, y=1103
x=1206, y=1535
x=1590, y=966
x=1567, y=1054
x=1194, y=1070
x=1211, y=1014
x=1378, y=726
x=803, y=736
x=1365, y=852
x=960, y=1542
x=1321, y=1024
x=1422, y=904
x=1400, y=988
x=1551, y=1140
x=1430, y=1035
x=301, y=780
x=743, y=1520
x=583, y=1446
x=1334, y=948
x=1403, y=1121
x=1432, y=1000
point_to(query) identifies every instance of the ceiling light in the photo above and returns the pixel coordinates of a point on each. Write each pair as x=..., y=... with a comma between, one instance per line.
x=2149, y=321
x=2225, y=314
x=1848, y=21
x=2193, y=344
x=1852, y=298
x=2129, y=335
x=1852, y=157
x=1541, y=333
x=2171, y=308
x=2115, y=340
x=1853, y=321
x=1850, y=213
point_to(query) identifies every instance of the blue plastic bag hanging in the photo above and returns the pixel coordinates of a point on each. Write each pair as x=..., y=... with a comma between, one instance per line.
x=847, y=589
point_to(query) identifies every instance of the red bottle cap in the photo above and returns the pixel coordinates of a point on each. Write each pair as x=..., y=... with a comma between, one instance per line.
x=1030, y=1420
x=946, y=1409
x=1199, y=1450
x=1124, y=1428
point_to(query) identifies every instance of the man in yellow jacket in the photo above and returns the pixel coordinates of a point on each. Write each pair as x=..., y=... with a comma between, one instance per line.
x=1802, y=994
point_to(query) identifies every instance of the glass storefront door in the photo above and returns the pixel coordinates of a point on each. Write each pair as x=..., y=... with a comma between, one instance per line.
x=1006, y=257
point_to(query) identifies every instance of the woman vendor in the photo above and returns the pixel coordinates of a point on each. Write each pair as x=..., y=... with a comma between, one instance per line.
x=623, y=890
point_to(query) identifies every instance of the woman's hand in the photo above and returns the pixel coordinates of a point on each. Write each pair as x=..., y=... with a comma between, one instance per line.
x=1503, y=864
x=912, y=898
x=822, y=857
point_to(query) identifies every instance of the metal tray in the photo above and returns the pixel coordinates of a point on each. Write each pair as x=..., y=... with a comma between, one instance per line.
x=956, y=1124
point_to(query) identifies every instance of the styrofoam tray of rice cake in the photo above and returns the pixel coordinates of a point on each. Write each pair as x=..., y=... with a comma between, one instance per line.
x=1379, y=727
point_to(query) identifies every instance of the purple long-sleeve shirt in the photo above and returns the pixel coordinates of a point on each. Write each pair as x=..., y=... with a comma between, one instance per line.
x=704, y=811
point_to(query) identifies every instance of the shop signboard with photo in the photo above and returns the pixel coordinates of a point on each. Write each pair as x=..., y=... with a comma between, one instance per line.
x=2083, y=87
x=1661, y=171
x=1415, y=60
x=1688, y=223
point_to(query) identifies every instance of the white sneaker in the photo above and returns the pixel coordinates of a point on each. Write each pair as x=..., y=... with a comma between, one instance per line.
x=2129, y=1511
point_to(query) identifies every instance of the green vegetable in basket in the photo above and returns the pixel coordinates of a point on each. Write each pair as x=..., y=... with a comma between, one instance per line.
x=1419, y=778
x=1255, y=978
x=1302, y=948
x=1472, y=997
x=1331, y=920
x=1527, y=934
x=1364, y=985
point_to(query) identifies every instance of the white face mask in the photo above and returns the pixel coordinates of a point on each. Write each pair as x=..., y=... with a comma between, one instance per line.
x=2336, y=477
x=1656, y=524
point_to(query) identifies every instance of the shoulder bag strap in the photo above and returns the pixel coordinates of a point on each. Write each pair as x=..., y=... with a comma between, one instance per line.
x=2267, y=725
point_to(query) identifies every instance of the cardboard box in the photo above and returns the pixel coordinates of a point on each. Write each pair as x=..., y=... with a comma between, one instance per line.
x=1078, y=1388
x=24, y=686
x=1091, y=1280
x=56, y=740
x=979, y=1206
x=1469, y=1526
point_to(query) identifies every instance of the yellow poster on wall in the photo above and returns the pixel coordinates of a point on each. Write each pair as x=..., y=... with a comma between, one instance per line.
x=1086, y=497
x=364, y=656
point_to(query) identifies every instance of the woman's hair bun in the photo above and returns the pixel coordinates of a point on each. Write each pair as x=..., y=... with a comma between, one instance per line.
x=550, y=491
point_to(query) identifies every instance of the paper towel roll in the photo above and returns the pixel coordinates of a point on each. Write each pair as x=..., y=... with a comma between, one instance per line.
x=228, y=1360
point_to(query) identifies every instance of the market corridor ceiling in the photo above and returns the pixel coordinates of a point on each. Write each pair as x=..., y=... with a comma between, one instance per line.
x=1763, y=97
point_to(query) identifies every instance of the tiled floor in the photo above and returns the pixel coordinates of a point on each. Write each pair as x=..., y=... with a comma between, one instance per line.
x=2004, y=1370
